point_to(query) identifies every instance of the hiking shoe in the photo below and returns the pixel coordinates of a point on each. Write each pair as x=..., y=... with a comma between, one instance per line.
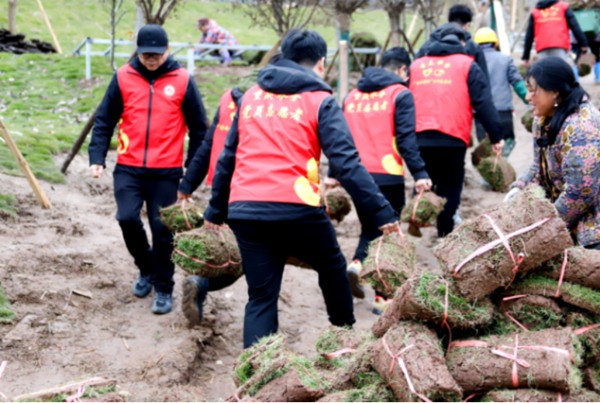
x=142, y=286
x=353, y=272
x=195, y=289
x=380, y=304
x=163, y=303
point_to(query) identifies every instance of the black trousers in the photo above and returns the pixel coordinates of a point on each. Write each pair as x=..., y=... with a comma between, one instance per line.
x=446, y=168
x=368, y=229
x=265, y=247
x=132, y=190
x=506, y=125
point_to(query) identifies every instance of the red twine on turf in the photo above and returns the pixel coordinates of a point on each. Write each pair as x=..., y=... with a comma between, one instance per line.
x=509, y=315
x=563, y=269
x=339, y=353
x=486, y=248
x=582, y=330
x=2, y=368
x=496, y=161
x=396, y=358
x=185, y=217
x=417, y=199
x=76, y=397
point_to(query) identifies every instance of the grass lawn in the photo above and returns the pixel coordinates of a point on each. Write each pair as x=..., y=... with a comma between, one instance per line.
x=44, y=100
x=6, y=314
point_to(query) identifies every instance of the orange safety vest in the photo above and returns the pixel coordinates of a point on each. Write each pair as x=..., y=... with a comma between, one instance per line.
x=550, y=27
x=442, y=100
x=227, y=110
x=152, y=127
x=278, y=152
x=370, y=117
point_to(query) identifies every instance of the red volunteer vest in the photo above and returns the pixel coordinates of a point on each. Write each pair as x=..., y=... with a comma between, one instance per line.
x=278, y=153
x=371, y=120
x=550, y=27
x=227, y=109
x=152, y=127
x=442, y=100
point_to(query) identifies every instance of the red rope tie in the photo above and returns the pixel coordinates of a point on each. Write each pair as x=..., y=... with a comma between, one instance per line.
x=496, y=161
x=563, y=269
x=339, y=353
x=582, y=330
x=520, y=257
x=488, y=247
x=471, y=396
x=559, y=397
x=2, y=368
x=397, y=358
x=417, y=199
x=377, y=268
x=514, y=358
x=445, y=321
x=76, y=397
x=185, y=217
x=512, y=317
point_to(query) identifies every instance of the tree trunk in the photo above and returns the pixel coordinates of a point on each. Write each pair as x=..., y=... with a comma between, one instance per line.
x=140, y=19
x=395, y=27
x=12, y=16
x=113, y=28
x=344, y=25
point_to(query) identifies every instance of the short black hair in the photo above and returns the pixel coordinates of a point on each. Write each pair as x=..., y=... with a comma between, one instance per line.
x=304, y=47
x=460, y=14
x=395, y=58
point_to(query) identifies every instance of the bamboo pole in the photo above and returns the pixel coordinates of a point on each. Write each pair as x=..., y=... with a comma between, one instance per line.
x=356, y=59
x=513, y=16
x=501, y=27
x=46, y=394
x=267, y=57
x=12, y=146
x=343, y=73
x=56, y=44
x=331, y=63
x=384, y=48
x=413, y=22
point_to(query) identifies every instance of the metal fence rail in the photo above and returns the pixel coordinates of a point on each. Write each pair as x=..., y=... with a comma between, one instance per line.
x=183, y=51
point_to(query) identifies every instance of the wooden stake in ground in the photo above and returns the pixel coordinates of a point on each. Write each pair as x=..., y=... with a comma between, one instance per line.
x=56, y=44
x=267, y=57
x=343, y=73
x=12, y=16
x=501, y=27
x=12, y=146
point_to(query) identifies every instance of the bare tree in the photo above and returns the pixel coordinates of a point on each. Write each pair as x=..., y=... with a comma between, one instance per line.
x=281, y=15
x=116, y=14
x=431, y=10
x=394, y=9
x=157, y=11
x=343, y=10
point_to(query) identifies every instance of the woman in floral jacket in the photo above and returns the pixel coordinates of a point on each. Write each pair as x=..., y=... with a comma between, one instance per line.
x=213, y=34
x=566, y=160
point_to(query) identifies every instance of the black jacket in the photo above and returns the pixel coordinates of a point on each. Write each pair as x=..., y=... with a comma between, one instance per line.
x=111, y=108
x=198, y=167
x=479, y=92
x=376, y=79
x=571, y=22
x=287, y=77
x=471, y=48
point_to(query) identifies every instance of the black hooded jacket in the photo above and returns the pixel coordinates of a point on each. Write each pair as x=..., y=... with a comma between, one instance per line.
x=571, y=22
x=287, y=77
x=375, y=79
x=471, y=48
x=479, y=92
x=111, y=108
x=198, y=167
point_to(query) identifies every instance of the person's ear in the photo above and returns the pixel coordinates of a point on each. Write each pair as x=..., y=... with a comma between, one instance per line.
x=320, y=67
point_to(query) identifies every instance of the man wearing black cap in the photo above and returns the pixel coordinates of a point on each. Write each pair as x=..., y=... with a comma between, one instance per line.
x=155, y=102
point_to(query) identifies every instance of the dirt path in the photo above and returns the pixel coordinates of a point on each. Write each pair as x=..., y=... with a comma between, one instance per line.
x=59, y=336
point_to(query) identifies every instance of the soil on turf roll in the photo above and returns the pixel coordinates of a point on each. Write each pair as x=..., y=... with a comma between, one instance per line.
x=483, y=150
x=582, y=267
x=428, y=208
x=497, y=172
x=535, y=395
x=587, y=328
x=376, y=392
x=208, y=252
x=477, y=277
x=591, y=377
x=423, y=299
x=390, y=262
x=578, y=296
x=527, y=121
x=411, y=351
x=534, y=312
x=337, y=346
x=548, y=360
x=337, y=203
x=181, y=217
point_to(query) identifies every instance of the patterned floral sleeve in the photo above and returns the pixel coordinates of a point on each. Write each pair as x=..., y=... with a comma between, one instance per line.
x=580, y=169
x=533, y=174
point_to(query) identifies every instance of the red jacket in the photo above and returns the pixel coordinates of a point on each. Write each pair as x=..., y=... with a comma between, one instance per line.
x=227, y=110
x=550, y=27
x=152, y=128
x=278, y=153
x=439, y=85
x=371, y=120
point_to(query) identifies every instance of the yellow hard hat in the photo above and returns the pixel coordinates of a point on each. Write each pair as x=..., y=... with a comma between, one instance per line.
x=485, y=35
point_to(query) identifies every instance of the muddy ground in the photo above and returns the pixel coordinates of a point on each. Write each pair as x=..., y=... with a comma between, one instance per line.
x=49, y=257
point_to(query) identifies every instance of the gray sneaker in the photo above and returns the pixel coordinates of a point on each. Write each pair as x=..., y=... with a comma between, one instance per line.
x=142, y=286
x=163, y=303
x=195, y=289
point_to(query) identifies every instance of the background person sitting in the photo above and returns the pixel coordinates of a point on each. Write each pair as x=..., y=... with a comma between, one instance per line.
x=213, y=34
